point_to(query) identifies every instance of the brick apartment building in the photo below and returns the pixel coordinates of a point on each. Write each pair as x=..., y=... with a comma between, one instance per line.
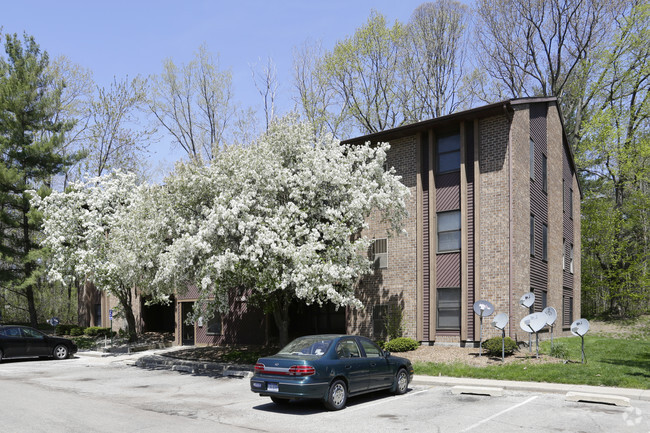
x=494, y=213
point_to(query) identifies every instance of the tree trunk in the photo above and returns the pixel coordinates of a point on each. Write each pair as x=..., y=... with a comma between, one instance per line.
x=125, y=301
x=281, y=316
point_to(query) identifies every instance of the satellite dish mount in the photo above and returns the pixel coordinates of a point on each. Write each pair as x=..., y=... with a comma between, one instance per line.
x=500, y=322
x=580, y=328
x=482, y=309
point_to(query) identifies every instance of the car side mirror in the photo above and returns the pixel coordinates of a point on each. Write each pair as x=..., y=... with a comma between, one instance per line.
x=386, y=353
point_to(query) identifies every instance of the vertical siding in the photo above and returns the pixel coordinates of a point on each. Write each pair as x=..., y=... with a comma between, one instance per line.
x=426, y=245
x=538, y=201
x=469, y=170
x=448, y=192
x=567, y=176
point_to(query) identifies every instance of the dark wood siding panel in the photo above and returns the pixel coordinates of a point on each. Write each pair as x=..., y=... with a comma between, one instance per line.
x=567, y=229
x=192, y=292
x=469, y=170
x=426, y=253
x=448, y=270
x=448, y=192
x=538, y=198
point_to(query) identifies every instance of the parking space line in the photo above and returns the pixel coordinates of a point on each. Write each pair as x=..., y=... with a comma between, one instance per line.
x=500, y=413
x=383, y=401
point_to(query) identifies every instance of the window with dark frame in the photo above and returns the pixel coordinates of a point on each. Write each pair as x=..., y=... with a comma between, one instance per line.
x=544, y=300
x=379, y=253
x=567, y=313
x=532, y=235
x=532, y=159
x=214, y=325
x=544, y=174
x=571, y=258
x=571, y=203
x=545, y=242
x=448, y=231
x=448, y=317
x=448, y=153
x=563, y=254
x=98, y=314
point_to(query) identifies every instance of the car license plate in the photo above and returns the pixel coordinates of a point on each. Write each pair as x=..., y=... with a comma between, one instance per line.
x=273, y=387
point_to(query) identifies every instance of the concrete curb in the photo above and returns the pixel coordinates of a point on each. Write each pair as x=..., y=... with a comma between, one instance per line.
x=555, y=388
x=195, y=367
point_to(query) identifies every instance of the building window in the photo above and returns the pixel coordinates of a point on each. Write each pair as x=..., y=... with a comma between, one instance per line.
x=379, y=253
x=544, y=174
x=532, y=235
x=448, y=231
x=448, y=153
x=545, y=242
x=543, y=295
x=98, y=314
x=571, y=258
x=532, y=159
x=214, y=325
x=563, y=254
x=448, y=316
x=571, y=203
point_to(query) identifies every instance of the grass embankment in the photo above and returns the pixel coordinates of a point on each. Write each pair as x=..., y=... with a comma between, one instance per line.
x=609, y=362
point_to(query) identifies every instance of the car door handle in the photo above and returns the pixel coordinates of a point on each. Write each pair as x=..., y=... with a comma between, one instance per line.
x=373, y=364
x=347, y=367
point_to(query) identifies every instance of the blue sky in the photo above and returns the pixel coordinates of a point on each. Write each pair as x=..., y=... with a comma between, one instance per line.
x=119, y=38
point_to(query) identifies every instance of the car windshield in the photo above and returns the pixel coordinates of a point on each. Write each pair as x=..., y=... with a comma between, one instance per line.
x=307, y=346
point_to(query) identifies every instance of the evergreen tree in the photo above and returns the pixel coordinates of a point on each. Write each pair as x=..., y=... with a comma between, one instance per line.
x=30, y=155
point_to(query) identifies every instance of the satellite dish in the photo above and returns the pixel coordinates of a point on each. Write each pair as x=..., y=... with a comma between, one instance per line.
x=551, y=315
x=483, y=308
x=533, y=322
x=527, y=300
x=500, y=321
x=580, y=327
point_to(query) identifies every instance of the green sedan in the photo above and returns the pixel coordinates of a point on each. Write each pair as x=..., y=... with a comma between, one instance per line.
x=330, y=368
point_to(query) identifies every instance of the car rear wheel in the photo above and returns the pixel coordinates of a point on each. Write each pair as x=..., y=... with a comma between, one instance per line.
x=337, y=396
x=60, y=352
x=280, y=401
x=401, y=382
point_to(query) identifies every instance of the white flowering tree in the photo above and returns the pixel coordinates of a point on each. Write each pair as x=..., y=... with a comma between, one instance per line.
x=110, y=231
x=278, y=220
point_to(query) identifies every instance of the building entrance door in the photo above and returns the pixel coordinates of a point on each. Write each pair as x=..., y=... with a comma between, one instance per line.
x=187, y=330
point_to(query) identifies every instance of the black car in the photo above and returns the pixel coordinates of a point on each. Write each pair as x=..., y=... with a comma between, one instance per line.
x=329, y=368
x=25, y=342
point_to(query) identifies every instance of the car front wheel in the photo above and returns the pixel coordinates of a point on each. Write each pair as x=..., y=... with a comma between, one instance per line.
x=60, y=352
x=401, y=382
x=337, y=396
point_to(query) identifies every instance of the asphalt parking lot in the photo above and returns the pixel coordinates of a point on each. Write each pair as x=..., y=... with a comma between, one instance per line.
x=112, y=394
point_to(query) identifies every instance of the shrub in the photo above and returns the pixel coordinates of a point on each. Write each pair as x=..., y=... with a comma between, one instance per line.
x=493, y=346
x=98, y=331
x=560, y=350
x=381, y=344
x=84, y=342
x=401, y=344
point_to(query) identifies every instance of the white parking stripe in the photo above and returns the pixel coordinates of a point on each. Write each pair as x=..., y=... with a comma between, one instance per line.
x=383, y=401
x=500, y=413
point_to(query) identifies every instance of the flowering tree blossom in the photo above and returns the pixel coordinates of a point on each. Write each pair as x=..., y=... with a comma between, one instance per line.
x=109, y=231
x=278, y=220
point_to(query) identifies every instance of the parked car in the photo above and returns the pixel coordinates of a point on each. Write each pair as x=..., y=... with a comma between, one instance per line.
x=26, y=342
x=330, y=368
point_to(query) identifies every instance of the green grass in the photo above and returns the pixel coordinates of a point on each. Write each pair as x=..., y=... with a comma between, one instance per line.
x=610, y=362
